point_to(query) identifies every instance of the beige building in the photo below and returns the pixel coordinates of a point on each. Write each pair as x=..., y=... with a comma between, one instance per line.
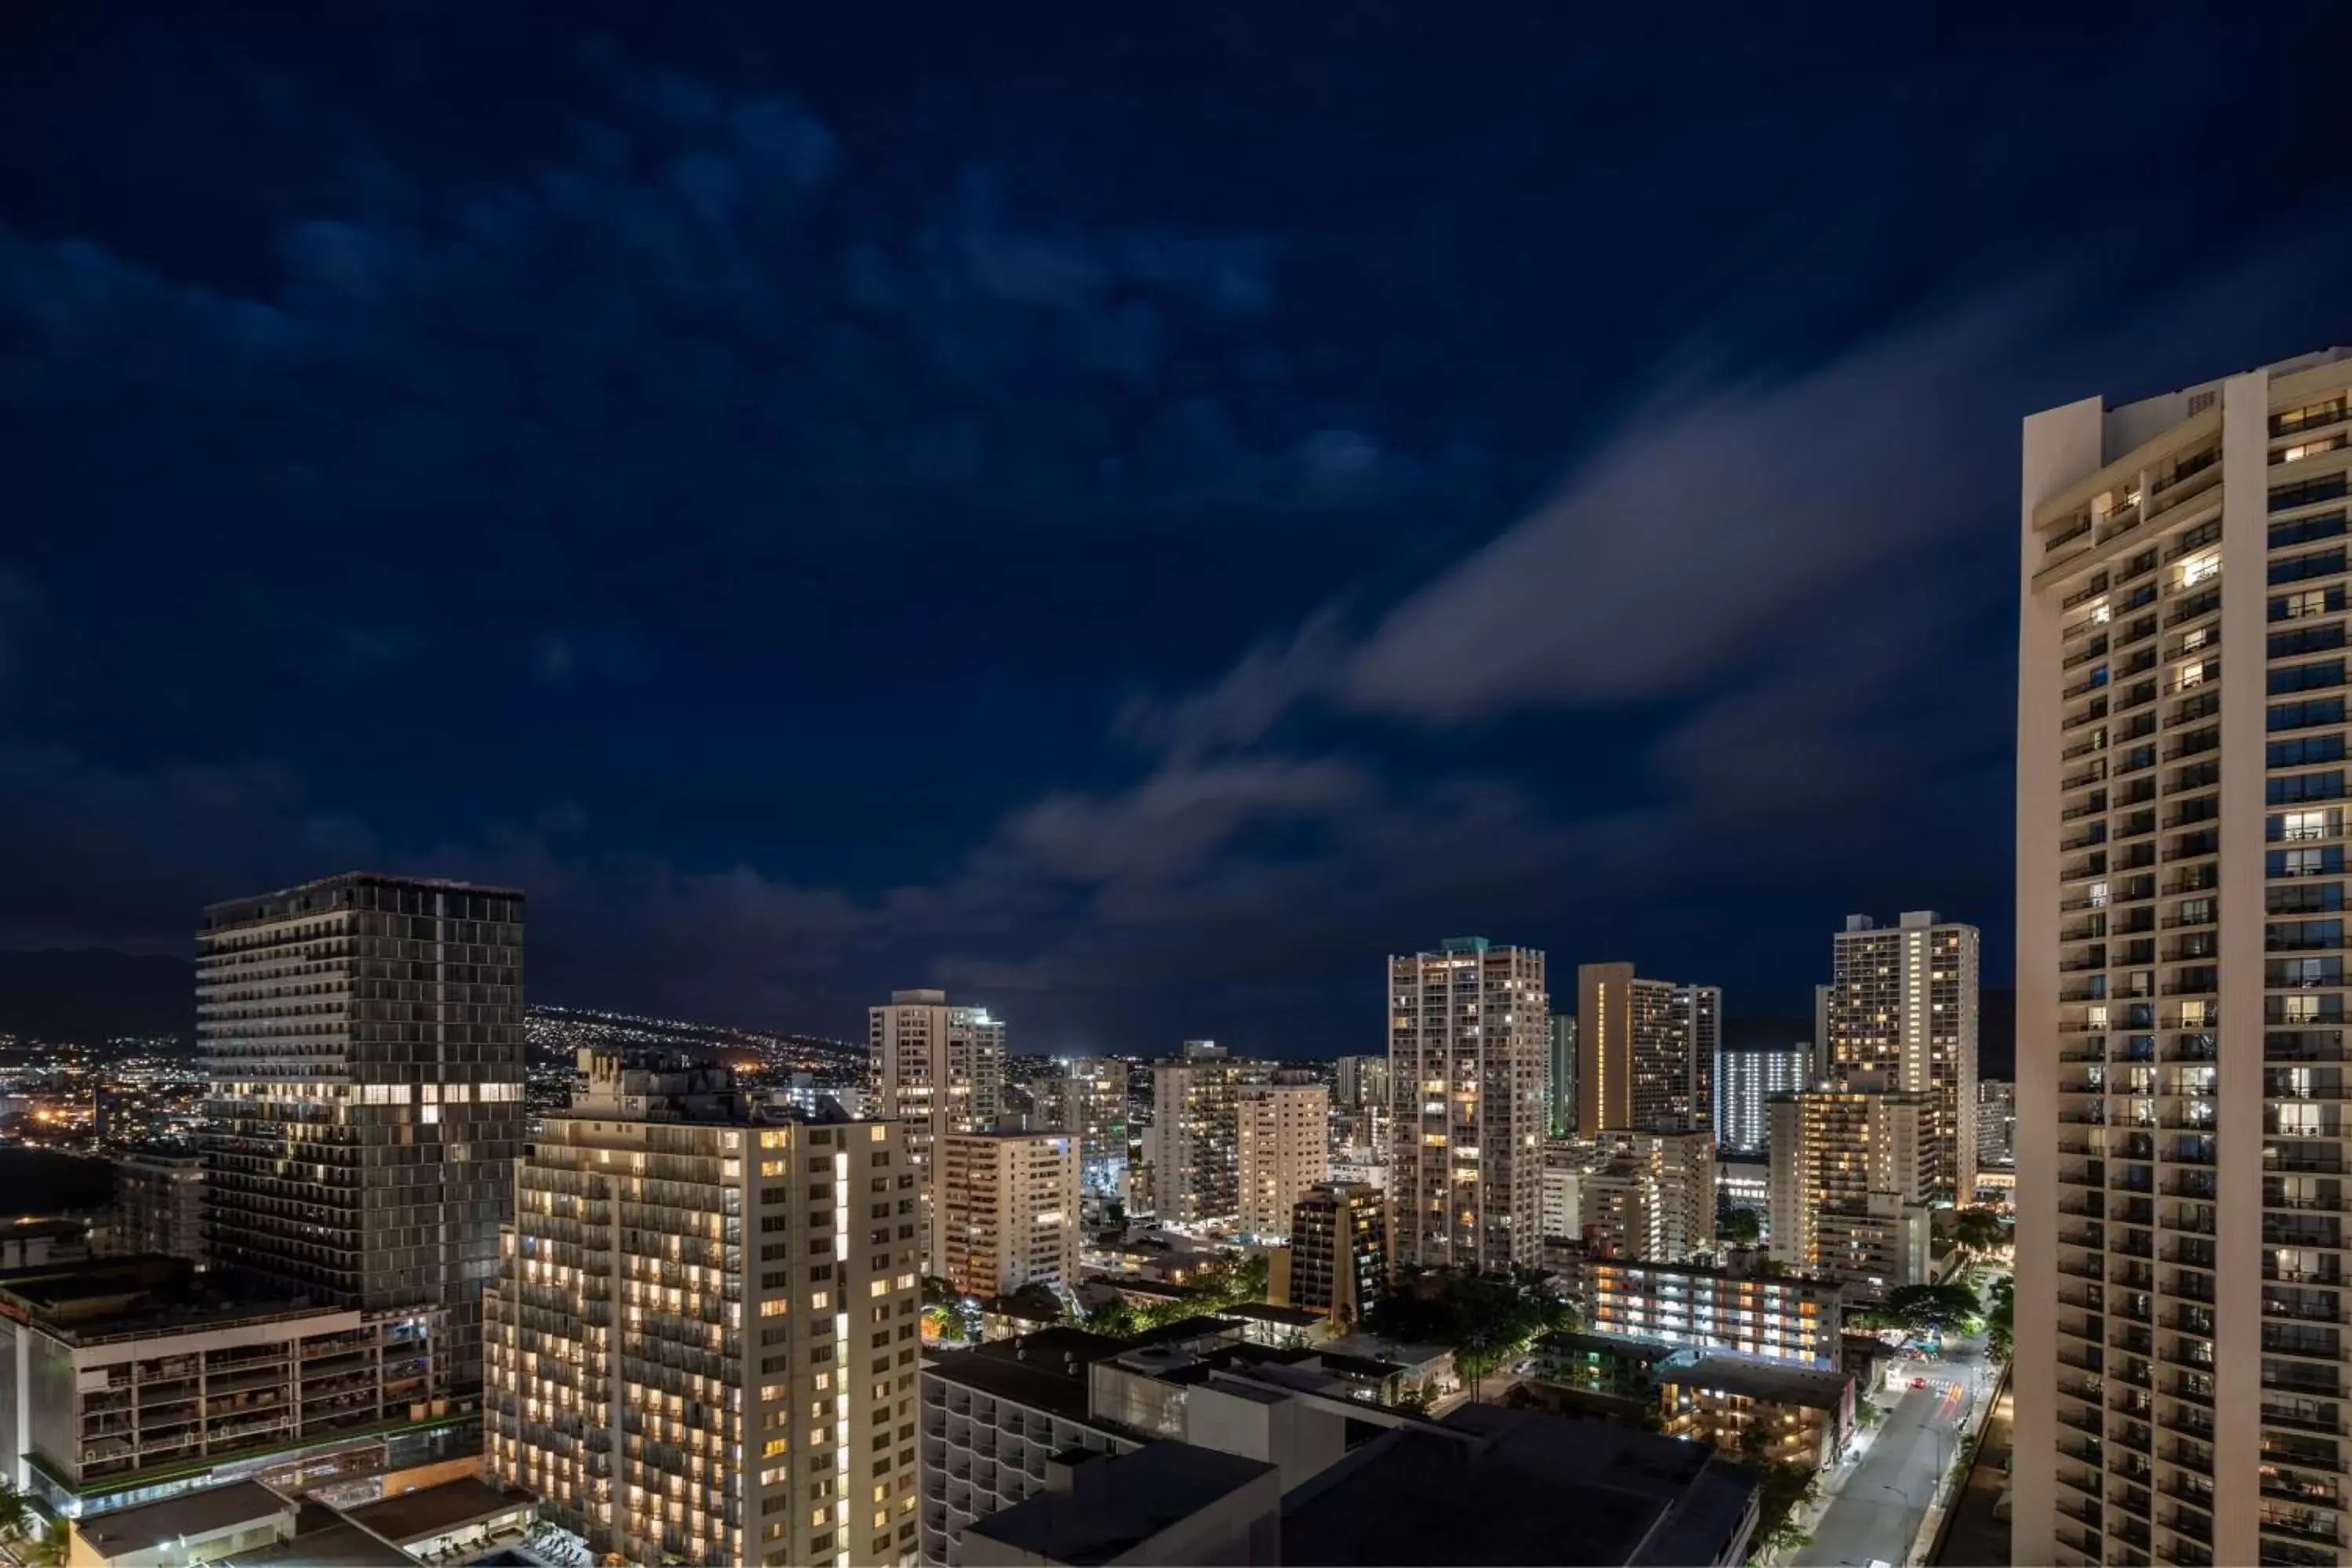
x=1848, y=1186
x=1651, y=1195
x=2180, y=1165
x=1644, y=1052
x=1769, y=1414
x=158, y=1203
x=1008, y=1210
x=1338, y=1259
x=1903, y=1005
x=1196, y=1131
x=1468, y=1032
x=703, y=1341
x=1283, y=1145
x=938, y=1069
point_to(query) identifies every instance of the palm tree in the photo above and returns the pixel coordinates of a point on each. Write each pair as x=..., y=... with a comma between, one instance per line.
x=19, y=1513
x=50, y=1549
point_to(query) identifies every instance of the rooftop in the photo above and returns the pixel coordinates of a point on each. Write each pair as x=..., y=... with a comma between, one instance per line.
x=432, y=1510
x=342, y=1544
x=239, y=1503
x=1813, y=1387
x=1042, y=1371
x=90, y=1300
x=1116, y=1502
x=1506, y=1487
x=1268, y=1313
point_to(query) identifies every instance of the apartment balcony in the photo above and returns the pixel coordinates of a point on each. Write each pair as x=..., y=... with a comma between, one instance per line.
x=2301, y=1525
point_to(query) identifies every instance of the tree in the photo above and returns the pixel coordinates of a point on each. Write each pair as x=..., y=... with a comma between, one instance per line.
x=1980, y=1230
x=1786, y=1488
x=1738, y=1227
x=1754, y=1439
x=50, y=1546
x=1920, y=1308
x=19, y=1513
x=2001, y=1323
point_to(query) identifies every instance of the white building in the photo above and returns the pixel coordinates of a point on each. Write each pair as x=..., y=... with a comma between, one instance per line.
x=1850, y=1187
x=1903, y=1004
x=941, y=1069
x=1744, y=1080
x=2181, y=974
x=1282, y=1149
x=1468, y=1028
x=1008, y=1209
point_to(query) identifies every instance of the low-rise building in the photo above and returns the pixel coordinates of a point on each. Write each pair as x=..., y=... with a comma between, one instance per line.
x=1774, y=1316
x=1769, y=1415
x=114, y=1371
x=34, y=1243
x=1165, y=1503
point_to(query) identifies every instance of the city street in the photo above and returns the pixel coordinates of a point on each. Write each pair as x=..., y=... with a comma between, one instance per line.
x=1877, y=1510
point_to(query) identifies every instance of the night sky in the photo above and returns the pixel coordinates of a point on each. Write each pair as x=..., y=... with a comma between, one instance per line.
x=1129, y=513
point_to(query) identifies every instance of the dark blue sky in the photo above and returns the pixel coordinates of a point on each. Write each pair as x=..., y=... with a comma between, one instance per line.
x=1130, y=515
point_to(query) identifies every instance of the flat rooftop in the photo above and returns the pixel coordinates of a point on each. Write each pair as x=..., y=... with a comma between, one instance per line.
x=434, y=1510
x=112, y=1298
x=1504, y=1487
x=1043, y=1371
x=1117, y=1502
x=123, y=1530
x=340, y=1545
x=1815, y=1387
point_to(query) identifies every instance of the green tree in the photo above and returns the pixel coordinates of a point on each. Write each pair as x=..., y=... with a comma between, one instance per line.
x=50, y=1546
x=1754, y=1439
x=1920, y=1308
x=1738, y=1227
x=1786, y=1488
x=19, y=1514
x=2001, y=1322
x=1980, y=1230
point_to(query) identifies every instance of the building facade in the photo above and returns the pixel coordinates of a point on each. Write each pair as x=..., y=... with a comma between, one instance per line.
x=1361, y=1083
x=1903, y=1006
x=1646, y=1052
x=704, y=1338
x=1996, y=1122
x=940, y=1070
x=159, y=1204
x=1652, y=1195
x=1096, y=1096
x=122, y=1381
x=2181, y=726
x=1468, y=1028
x=365, y=1039
x=1283, y=1145
x=1774, y=1316
x=1008, y=1209
x=1196, y=1127
x=1745, y=1082
x=1338, y=1254
x=1560, y=1076
x=1850, y=1180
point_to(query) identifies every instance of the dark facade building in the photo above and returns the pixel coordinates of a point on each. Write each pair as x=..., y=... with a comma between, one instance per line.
x=364, y=1038
x=1338, y=1256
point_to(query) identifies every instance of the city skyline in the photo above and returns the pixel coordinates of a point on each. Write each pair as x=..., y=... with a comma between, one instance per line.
x=1220, y=508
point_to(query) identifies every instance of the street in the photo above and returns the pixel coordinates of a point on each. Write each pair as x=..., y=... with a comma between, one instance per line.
x=1877, y=1510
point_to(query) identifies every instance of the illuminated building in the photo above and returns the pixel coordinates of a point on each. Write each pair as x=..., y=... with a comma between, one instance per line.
x=1849, y=1185
x=159, y=1204
x=1903, y=1006
x=1338, y=1259
x=1744, y=1079
x=704, y=1338
x=364, y=1040
x=1008, y=1209
x=1282, y=1147
x=1646, y=1052
x=2181, y=1360
x=1196, y=1131
x=941, y=1069
x=1775, y=1317
x=1467, y=1034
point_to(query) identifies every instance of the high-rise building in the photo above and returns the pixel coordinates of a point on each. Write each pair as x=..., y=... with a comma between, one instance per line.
x=1196, y=1123
x=704, y=1337
x=941, y=1069
x=1008, y=1209
x=1468, y=1033
x=1338, y=1259
x=1561, y=1203
x=1996, y=1122
x=2180, y=1167
x=158, y=1203
x=1095, y=1095
x=1362, y=1082
x=1902, y=1002
x=1849, y=1185
x=1282, y=1147
x=363, y=1035
x=1646, y=1052
x=1652, y=1195
x=1561, y=1075
x=1746, y=1080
